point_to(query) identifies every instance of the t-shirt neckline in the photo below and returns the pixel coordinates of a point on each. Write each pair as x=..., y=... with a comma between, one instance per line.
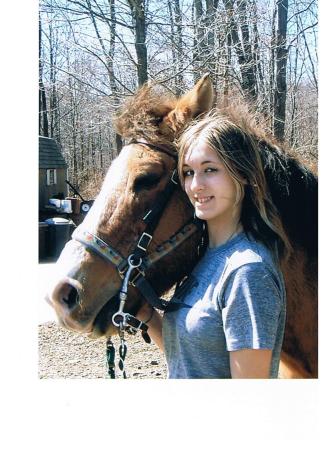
x=225, y=246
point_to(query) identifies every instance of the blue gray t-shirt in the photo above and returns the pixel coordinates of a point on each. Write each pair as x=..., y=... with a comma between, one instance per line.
x=237, y=299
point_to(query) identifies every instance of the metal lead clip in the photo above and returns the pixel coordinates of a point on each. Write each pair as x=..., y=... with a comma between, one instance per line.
x=123, y=293
x=118, y=319
x=123, y=290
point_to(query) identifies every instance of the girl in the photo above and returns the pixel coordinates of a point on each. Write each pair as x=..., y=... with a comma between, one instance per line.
x=235, y=322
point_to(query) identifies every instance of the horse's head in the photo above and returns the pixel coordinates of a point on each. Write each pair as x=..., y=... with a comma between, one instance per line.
x=84, y=294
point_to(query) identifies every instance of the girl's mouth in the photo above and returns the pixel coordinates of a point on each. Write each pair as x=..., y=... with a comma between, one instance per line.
x=201, y=201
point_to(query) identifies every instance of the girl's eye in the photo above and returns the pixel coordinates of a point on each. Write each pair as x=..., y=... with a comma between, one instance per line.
x=207, y=170
x=211, y=170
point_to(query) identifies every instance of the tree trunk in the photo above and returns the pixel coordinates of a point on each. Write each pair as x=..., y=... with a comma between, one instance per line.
x=210, y=41
x=272, y=65
x=43, y=116
x=256, y=51
x=72, y=120
x=293, y=91
x=245, y=61
x=138, y=14
x=112, y=78
x=109, y=55
x=199, y=44
x=179, y=47
x=281, y=66
x=228, y=64
x=248, y=73
x=174, y=49
x=53, y=110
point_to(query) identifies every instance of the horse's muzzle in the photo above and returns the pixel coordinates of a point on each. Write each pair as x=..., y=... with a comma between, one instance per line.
x=65, y=299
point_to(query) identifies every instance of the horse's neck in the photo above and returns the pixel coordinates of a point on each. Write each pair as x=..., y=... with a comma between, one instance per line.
x=294, y=192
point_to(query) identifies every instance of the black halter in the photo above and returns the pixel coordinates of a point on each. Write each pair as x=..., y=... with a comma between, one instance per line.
x=164, y=148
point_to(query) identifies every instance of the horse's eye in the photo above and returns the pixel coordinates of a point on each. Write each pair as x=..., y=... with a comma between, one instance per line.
x=157, y=120
x=146, y=182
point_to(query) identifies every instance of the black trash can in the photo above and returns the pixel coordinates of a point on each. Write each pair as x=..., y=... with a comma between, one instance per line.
x=43, y=239
x=59, y=232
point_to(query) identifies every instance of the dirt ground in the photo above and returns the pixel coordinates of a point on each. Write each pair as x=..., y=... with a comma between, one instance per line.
x=66, y=355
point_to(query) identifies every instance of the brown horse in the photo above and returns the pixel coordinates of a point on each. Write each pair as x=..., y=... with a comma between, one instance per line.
x=84, y=294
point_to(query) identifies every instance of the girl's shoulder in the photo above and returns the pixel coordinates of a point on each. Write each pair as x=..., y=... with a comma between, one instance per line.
x=253, y=259
x=219, y=263
x=247, y=251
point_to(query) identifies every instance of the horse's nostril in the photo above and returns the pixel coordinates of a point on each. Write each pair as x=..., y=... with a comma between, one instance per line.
x=72, y=298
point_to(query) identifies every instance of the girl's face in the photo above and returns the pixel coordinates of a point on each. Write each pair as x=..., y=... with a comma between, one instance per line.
x=209, y=186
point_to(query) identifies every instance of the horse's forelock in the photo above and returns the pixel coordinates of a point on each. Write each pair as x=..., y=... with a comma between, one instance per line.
x=138, y=115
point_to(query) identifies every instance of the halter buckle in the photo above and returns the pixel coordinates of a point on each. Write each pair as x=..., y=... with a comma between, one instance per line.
x=147, y=215
x=122, y=268
x=136, y=277
x=145, y=240
x=175, y=181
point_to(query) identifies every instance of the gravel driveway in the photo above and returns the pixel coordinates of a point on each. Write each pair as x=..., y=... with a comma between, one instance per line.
x=66, y=355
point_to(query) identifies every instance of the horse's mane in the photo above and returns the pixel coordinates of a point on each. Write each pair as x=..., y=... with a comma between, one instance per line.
x=291, y=180
x=255, y=124
x=140, y=115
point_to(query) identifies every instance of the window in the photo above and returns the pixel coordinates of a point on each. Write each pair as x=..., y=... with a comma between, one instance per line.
x=51, y=177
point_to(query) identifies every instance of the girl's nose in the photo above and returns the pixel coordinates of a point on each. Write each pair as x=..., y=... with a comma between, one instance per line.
x=197, y=183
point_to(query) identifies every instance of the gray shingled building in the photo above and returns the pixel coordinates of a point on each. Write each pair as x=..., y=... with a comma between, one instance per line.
x=52, y=172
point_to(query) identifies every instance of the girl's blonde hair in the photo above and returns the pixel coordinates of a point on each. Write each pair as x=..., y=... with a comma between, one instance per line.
x=239, y=152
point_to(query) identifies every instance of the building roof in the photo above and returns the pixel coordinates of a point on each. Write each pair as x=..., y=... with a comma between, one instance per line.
x=49, y=154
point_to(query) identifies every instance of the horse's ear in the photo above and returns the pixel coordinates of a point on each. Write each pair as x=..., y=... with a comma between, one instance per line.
x=197, y=101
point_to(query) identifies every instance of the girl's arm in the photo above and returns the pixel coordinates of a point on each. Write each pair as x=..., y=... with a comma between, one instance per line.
x=154, y=321
x=250, y=363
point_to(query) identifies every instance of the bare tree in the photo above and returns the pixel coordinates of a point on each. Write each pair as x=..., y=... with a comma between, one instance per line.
x=281, y=67
x=43, y=115
x=109, y=54
x=176, y=23
x=240, y=38
x=138, y=14
x=248, y=63
x=199, y=39
x=94, y=53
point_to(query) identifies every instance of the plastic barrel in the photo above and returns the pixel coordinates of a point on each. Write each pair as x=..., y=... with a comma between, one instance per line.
x=43, y=238
x=60, y=231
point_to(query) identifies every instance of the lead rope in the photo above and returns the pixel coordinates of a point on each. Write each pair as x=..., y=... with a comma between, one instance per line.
x=111, y=356
x=111, y=359
x=122, y=351
x=120, y=320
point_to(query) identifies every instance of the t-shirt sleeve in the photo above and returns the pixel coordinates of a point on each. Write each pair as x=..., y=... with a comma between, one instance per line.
x=251, y=308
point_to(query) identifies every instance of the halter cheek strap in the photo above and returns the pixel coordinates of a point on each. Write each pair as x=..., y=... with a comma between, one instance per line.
x=152, y=217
